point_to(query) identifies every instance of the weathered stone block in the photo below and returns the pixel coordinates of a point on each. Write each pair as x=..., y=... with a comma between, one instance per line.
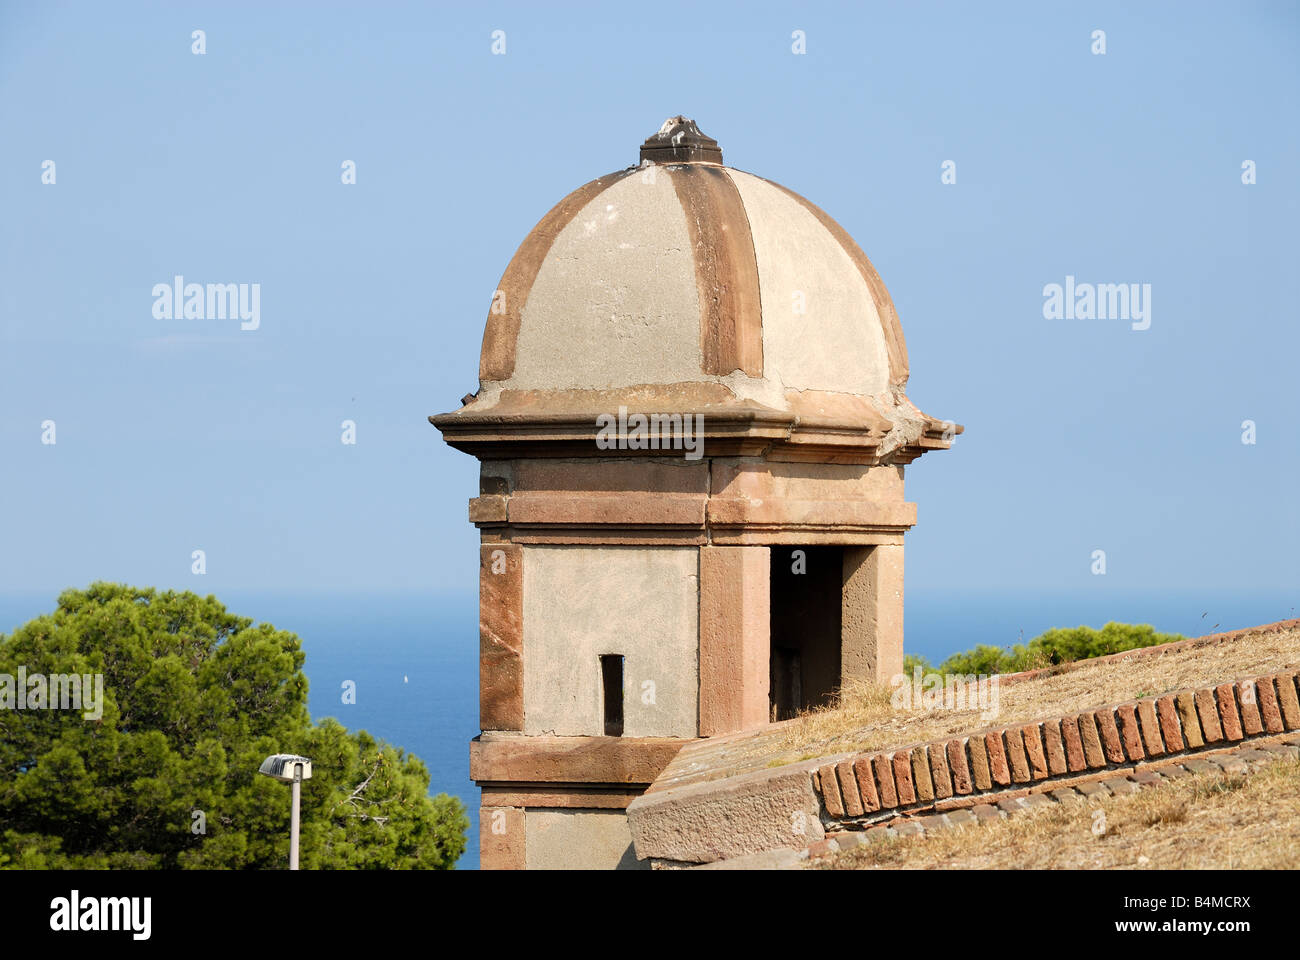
x=1269, y=711
x=939, y=774
x=866, y=784
x=1019, y=763
x=501, y=643
x=1055, y=746
x=501, y=838
x=1170, y=731
x=979, y=763
x=1289, y=700
x=1208, y=711
x=1185, y=701
x=1146, y=712
x=1130, y=731
x=1110, y=741
x=1091, y=741
x=1074, y=757
x=957, y=766
x=848, y=788
x=921, y=780
x=1034, y=751
x=829, y=785
x=1228, y=715
x=1248, y=698
x=884, y=771
x=998, y=769
x=734, y=641
x=902, y=764
x=762, y=810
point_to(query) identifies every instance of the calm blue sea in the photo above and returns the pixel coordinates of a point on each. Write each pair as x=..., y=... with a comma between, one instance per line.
x=414, y=659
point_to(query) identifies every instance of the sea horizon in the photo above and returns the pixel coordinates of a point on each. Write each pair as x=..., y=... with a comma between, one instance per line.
x=413, y=657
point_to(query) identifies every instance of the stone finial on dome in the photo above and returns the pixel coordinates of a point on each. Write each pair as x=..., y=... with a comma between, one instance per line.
x=679, y=140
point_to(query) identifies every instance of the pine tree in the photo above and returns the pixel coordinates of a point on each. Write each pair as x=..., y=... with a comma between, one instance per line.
x=194, y=698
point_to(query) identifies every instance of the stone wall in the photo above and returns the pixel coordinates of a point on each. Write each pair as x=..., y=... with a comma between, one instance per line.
x=582, y=602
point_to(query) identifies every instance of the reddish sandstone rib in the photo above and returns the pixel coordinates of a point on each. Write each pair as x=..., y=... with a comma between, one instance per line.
x=726, y=269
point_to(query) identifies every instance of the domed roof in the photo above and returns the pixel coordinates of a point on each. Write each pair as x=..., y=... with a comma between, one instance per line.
x=685, y=284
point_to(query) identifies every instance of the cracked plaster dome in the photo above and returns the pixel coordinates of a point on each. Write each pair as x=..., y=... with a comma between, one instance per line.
x=683, y=284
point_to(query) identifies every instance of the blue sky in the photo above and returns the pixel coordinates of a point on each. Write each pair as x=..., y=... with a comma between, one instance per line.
x=177, y=435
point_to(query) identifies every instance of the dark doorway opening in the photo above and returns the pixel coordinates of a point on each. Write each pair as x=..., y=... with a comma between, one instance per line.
x=611, y=682
x=806, y=587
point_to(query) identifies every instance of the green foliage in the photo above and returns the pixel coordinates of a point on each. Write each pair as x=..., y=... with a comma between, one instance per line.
x=1056, y=646
x=194, y=699
x=911, y=661
x=985, y=659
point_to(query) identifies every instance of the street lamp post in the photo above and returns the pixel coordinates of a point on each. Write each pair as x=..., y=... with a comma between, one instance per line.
x=293, y=817
x=289, y=768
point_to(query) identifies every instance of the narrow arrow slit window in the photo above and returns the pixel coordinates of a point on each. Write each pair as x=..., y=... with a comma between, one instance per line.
x=611, y=677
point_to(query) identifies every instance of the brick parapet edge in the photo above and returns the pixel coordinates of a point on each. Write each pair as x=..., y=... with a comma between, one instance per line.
x=1239, y=758
x=1020, y=759
x=1148, y=653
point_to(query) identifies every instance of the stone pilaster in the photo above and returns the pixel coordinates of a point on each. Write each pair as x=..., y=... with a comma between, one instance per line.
x=734, y=639
x=871, y=613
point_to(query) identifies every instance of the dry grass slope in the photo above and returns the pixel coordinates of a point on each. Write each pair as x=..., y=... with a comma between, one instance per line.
x=865, y=720
x=1201, y=822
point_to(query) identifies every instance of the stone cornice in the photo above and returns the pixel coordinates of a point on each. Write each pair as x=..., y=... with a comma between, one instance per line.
x=725, y=431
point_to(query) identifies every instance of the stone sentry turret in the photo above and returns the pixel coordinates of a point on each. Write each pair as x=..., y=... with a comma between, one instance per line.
x=692, y=429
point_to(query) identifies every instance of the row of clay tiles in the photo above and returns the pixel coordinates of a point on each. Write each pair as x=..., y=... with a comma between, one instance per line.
x=1065, y=746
